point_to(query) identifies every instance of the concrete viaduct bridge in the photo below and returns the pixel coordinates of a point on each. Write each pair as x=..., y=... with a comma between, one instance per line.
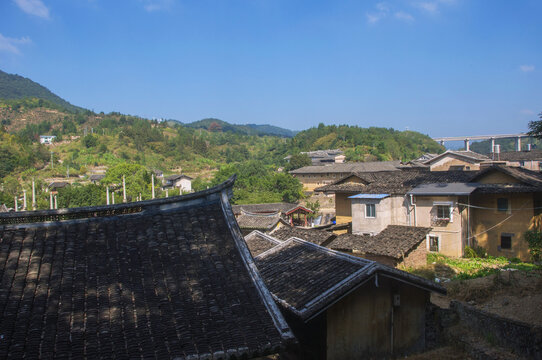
x=468, y=139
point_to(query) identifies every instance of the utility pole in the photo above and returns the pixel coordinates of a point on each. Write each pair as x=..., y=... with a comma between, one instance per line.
x=51, y=200
x=56, y=204
x=15, y=198
x=33, y=194
x=113, y=197
x=152, y=178
x=166, y=192
x=52, y=162
x=123, y=189
x=24, y=200
x=107, y=194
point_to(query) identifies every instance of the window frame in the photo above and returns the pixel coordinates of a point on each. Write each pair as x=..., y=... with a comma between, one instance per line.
x=500, y=209
x=433, y=236
x=367, y=206
x=508, y=235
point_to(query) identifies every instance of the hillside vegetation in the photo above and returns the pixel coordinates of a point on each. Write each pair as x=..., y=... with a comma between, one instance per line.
x=17, y=87
x=87, y=142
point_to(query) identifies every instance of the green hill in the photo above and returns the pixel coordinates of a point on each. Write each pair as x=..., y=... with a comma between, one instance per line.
x=217, y=125
x=13, y=87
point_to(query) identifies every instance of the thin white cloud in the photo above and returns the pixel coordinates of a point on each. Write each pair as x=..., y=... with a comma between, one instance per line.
x=382, y=7
x=33, y=7
x=157, y=5
x=527, y=112
x=11, y=45
x=373, y=18
x=429, y=7
x=401, y=15
x=381, y=11
x=526, y=68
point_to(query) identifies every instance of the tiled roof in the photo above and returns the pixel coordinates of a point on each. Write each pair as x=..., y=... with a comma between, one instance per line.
x=347, y=168
x=535, y=154
x=394, y=241
x=258, y=221
x=259, y=242
x=530, y=177
x=264, y=208
x=96, y=177
x=306, y=279
x=468, y=155
x=319, y=237
x=172, y=279
x=177, y=176
x=395, y=182
x=58, y=184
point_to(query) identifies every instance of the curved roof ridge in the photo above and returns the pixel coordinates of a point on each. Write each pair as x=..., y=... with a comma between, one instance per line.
x=20, y=217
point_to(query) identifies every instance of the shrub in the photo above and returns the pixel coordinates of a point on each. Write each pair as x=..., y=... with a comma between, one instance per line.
x=534, y=239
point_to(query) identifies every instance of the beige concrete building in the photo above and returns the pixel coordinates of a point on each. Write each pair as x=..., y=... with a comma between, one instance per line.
x=492, y=208
x=315, y=176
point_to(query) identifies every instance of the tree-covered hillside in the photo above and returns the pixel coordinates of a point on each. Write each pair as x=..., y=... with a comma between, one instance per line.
x=17, y=87
x=87, y=142
x=365, y=144
x=217, y=125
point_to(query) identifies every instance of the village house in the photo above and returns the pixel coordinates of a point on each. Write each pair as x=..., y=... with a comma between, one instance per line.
x=491, y=208
x=181, y=182
x=264, y=222
x=47, y=139
x=55, y=185
x=340, y=306
x=292, y=213
x=387, y=189
x=322, y=157
x=395, y=246
x=314, y=176
x=528, y=159
x=454, y=160
x=168, y=278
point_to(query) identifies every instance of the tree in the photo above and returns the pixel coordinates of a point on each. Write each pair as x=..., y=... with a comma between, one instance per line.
x=298, y=161
x=535, y=127
x=534, y=239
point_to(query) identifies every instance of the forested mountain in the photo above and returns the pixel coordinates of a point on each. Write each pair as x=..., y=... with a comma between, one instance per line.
x=217, y=125
x=365, y=144
x=17, y=87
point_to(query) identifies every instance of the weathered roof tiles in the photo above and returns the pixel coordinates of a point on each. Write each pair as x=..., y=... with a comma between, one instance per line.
x=173, y=279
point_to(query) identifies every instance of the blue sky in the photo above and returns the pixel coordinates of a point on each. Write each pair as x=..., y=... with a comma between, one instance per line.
x=441, y=67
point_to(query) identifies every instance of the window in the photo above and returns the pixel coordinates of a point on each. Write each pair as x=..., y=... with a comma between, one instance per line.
x=506, y=241
x=502, y=204
x=433, y=243
x=443, y=212
x=370, y=210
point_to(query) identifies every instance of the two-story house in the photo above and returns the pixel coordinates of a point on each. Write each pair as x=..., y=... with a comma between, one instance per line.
x=491, y=208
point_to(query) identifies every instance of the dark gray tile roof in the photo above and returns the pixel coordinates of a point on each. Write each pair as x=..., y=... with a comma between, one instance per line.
x=319, y=237
x=96, y=177
x=177, y=176
x=172, y=279
x=467, y=155
x=58, y=184
x=259, y=242
x=258, y=221
x=306, y=279
x=347, y=168
x=396, y=182
x=535, y=154
x=394, y=241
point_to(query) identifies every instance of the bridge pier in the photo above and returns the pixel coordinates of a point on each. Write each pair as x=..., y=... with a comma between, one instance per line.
x=518, y=143
x=493, y=145
x=467, y=144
